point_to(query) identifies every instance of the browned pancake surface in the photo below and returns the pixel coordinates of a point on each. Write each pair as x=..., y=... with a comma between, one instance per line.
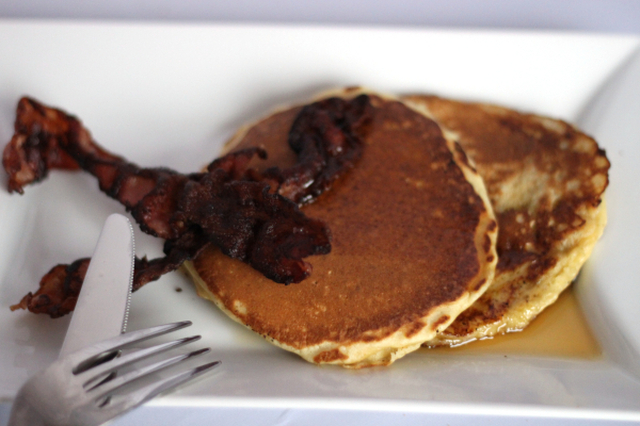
x=404, y=227
x=545, y=180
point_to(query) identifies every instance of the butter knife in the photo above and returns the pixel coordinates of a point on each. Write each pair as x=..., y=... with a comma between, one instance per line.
x=102, y=308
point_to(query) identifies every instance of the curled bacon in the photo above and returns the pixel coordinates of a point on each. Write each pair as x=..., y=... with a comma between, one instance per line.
x=327, y=138
x=249, y=215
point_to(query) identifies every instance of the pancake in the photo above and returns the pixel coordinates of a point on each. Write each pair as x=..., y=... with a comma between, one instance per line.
x=413, y=245
x=546, y=181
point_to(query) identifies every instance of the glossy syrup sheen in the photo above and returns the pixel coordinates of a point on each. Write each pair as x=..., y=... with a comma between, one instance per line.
x=560, y=330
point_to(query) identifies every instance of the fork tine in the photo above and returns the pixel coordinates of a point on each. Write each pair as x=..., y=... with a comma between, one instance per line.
x=96, y=354
x=112, y=386
x=144, y=394
x=96, y=375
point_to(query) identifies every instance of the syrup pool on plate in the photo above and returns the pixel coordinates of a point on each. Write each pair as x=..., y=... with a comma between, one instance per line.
x=561, y=330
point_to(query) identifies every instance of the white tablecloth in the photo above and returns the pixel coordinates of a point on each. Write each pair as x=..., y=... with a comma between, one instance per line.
x=619, y=16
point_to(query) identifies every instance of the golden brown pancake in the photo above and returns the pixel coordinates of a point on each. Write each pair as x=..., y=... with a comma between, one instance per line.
x=413, y=239
x=545, y=180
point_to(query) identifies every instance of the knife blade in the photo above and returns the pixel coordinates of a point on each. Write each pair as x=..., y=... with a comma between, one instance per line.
x=102, y=308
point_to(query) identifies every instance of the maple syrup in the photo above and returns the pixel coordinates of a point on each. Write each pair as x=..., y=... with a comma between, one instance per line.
x=561, y=330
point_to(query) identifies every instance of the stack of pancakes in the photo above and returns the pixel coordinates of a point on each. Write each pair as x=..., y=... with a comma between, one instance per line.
x=460, y=221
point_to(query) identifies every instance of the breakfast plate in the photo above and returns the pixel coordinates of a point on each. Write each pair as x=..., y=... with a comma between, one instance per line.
x=170, y=95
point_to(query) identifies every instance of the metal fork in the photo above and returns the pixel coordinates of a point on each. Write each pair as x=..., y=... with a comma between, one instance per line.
x=85, y=388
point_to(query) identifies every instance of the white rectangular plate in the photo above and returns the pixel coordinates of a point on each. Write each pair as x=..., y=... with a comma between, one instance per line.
x=170, y=95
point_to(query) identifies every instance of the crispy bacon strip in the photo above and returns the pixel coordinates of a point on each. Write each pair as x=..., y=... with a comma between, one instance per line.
x=249, y=215
x=327, y=138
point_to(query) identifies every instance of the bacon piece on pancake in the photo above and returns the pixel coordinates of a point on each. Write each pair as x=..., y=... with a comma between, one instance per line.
x=413, y=246
x=239, y=210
